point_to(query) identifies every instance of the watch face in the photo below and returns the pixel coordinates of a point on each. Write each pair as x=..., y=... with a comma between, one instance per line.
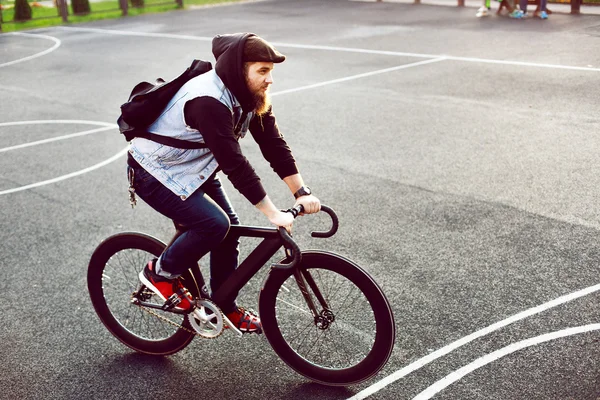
x=303, y=191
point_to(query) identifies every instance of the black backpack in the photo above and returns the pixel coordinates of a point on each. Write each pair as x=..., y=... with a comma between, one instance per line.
x=147, y=102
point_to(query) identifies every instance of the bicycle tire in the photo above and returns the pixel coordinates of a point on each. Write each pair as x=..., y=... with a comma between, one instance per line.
x=113, y=277
x=330, y=356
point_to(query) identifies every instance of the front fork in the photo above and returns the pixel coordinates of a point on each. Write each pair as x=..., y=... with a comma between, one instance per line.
x=304, y=280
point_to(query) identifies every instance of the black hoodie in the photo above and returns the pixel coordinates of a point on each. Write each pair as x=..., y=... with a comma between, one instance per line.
x=215, y=121
x=229, y=53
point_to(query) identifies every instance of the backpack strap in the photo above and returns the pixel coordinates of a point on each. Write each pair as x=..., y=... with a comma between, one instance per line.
x=131, y=133
x=168, y=141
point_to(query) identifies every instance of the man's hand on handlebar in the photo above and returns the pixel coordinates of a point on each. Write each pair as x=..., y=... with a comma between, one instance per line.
x=310, y=203
x=289, y=242
x=275, y=216
x=281, y=218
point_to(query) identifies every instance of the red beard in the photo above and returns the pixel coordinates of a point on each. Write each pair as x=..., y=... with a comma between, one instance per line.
x=261, y=102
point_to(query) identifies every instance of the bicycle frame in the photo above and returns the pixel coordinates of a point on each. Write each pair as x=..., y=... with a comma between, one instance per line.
x=273, y=240
x=271, y=243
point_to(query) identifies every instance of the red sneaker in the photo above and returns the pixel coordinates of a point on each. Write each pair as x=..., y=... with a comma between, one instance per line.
x=245, y=321
x=170, y=290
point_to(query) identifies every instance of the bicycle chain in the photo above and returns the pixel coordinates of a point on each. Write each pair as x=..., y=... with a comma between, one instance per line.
x=179, y=326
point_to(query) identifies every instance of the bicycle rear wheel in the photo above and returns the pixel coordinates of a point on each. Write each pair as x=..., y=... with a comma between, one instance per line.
x=113, y=278
x=354, y=334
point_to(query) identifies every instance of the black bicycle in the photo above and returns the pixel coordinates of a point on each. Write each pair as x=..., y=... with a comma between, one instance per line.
x=323, y=315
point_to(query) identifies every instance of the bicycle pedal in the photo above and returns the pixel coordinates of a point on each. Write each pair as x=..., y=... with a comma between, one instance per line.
x=142, y=294
x=171, y=302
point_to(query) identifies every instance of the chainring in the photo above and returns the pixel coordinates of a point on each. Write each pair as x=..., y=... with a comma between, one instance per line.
x=206, y=319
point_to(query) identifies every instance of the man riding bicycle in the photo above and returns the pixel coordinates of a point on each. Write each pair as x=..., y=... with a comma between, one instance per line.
x=217, y=108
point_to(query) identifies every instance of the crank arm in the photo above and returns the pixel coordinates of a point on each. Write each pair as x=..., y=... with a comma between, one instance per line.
x=173, y=310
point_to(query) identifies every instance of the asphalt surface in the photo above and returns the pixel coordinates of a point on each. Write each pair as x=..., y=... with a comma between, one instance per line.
x=460, y=153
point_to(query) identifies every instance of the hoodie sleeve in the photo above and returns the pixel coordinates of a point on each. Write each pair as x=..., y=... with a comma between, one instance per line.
x=215, y=122
x=272, y=144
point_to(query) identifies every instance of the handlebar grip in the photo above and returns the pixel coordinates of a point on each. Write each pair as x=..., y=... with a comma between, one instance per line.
x=334, y=224
x=327, y=210
x=295, y=211
x=290, y=243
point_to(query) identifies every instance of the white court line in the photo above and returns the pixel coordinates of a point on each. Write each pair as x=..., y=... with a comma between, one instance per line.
x=56, y=41
x=289, y=45
x=54, y=139
x=467, y=339
x=364, y=75
x=488, y=358
x=71, y=175
x=105, y=125
x=522, y=64
x=56, y=121
x=133, y=33
x=59, y=121
x=344, y=49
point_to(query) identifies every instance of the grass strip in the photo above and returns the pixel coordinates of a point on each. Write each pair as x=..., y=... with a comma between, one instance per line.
x=44, y=16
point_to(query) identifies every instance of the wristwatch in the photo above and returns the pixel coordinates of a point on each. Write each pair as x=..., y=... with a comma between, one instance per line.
x=303, y=191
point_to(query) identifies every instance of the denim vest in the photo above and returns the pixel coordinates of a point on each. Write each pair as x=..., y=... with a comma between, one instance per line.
x=185, y=170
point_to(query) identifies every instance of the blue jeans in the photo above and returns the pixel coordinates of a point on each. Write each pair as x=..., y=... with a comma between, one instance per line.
x=207, y=215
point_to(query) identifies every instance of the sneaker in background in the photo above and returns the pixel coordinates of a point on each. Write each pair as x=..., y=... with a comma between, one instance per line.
x=517, y=14
x=482, y=12
x=544, y=15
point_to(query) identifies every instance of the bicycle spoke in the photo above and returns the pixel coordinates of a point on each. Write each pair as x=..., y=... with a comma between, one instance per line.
x=119, y=264
x=336, y=349
x=121, y=280
x=301, y=334
x=340, y=311
x=347, y=344
x=314, y=344
x=294, y=306
x=146, y=322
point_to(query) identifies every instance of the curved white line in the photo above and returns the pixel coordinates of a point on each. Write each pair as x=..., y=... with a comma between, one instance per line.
x=54, y=139
x=56, y=121
x=56, y=41
x=467, y=339
x=488, y=358
x=71, y=175
x=105, y=125
x=142, y=34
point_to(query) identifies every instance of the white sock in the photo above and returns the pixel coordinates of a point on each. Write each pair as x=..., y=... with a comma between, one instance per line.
x=161, y=272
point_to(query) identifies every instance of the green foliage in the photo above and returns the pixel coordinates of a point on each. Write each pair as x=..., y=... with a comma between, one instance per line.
x=22, y=10
x=80, y=7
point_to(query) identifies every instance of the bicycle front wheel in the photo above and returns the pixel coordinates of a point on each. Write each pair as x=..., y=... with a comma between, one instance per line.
x=113, y=278
x=352, y=336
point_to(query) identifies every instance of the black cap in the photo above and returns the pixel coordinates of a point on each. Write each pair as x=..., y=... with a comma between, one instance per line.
x=257, y=49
